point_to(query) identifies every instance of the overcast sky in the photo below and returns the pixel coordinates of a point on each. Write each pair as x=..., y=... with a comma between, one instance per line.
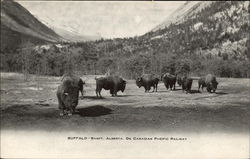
x=108, y=19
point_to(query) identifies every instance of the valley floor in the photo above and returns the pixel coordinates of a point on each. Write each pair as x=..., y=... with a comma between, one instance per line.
x=32, y=105
x=196, y=125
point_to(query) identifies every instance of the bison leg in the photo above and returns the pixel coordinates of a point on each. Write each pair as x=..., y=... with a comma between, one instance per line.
x=81, y=92
x=156, y=87
x=115, y=91
x=98, y=91
x=111, y=91
x=153, y=88
x=202, y=88
x=171, y=87
x=71, y=111
x=61, y=106
x=81, y=89
x=100, y=94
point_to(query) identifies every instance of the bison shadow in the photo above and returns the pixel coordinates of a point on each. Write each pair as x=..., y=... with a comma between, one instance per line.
x=195, y=91
x=124, y=95
x=168, y=90
x=221, y=93
x=93, y=111
x=90, y=97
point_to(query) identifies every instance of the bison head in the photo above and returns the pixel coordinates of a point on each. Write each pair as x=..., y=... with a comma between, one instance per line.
x=139, y=82
x=70, y=97
x=212, y=86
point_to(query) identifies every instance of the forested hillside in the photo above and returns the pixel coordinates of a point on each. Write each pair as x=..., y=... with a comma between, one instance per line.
x=214, y=40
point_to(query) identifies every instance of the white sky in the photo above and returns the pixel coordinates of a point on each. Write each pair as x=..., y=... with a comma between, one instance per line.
x=108, y=19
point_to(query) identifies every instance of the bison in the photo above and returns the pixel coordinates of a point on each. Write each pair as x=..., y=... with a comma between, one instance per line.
x=169, y=80
x=186, y=84
x=147, y=81
x=112, y=83
x=67, y=95
x=211, y=83
x=208, y=81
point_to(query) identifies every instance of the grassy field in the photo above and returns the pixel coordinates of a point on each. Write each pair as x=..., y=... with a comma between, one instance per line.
x=32, y=105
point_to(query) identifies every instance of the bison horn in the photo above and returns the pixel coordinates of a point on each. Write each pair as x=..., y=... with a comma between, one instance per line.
x=66, y=93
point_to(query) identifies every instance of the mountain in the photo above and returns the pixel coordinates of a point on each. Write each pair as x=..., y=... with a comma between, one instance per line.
x=73, y=36
x=67, y=32
x=199, y=38
x=182, y=13
x=207, y=28
x=19, y=26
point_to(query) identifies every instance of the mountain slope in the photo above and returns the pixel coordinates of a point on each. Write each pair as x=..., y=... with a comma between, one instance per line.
x=220, y=26
x=74, y=36
x=18, y=25
x=67, y=32
x=183, y=12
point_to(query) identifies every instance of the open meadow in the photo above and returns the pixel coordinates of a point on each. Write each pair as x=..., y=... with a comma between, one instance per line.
x=32, y=105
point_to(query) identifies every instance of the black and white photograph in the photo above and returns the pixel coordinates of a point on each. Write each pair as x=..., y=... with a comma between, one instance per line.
x=125, y=79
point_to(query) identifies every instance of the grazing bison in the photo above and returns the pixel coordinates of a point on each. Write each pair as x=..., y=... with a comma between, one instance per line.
x=186, y=84
x=112, y=83
x=169, y=80
x=147, y=81
x=201, y=83
x=211, y=83
x=67, y=95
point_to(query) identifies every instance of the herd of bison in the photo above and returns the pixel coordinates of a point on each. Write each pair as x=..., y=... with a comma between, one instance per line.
x=71, y=85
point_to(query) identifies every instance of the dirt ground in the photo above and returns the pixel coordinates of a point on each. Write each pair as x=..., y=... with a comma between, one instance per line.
x=33, y=105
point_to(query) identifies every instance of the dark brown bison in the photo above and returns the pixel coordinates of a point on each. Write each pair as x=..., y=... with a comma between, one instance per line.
x=186, y=84
x=112, y=83
x=147, y=81
x=169, y=80
x=211, y=83
x=67, y=95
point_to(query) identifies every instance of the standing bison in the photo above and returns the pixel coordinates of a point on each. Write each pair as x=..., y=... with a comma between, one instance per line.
x=186, y=84
x=67, y=95
x=211, y=83
x=112, y=83
x=147, y=81
x=169, y=80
